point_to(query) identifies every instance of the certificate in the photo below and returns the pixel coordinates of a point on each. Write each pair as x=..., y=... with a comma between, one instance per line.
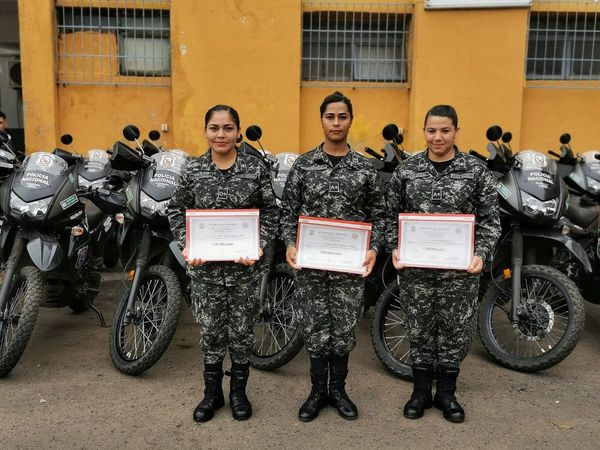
x=330, y=244
x=437, y=241
x=222, y=234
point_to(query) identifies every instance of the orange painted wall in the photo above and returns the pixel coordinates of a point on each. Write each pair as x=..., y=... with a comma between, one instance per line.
x=547, y=113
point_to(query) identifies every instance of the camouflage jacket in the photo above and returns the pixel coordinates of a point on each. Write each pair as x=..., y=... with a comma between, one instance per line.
x=464, y=187
x=246, y=185
x=349, y=191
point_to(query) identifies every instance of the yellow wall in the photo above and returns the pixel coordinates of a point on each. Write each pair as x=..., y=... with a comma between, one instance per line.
x=547, y=113
x=239, y=52
x=248, y=53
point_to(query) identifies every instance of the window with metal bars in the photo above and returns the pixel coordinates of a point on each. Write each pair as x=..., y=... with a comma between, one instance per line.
x=564, y=45
x=114, y=45
x=364, y=42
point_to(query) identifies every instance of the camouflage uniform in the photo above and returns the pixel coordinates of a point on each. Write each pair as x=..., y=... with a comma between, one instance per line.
x=330, y=304
x=225, y=294
x=441, y=305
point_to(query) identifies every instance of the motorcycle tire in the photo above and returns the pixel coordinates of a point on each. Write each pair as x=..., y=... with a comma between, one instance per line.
x=21, y=311
x=277, y=332
x=388, y=333
x=137, y=346
x=550, y=325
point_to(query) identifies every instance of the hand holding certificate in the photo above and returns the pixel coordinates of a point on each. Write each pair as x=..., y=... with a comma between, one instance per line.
x=437, y=241
x=223, y=235
x=330, y=244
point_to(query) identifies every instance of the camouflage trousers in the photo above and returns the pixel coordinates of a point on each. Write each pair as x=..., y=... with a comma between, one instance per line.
x=441, y=314
x=328, y=306
x=226, y=315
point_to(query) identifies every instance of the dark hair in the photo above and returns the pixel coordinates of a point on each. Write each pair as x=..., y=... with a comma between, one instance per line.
x=234, y=114
x=336, y=97
x=2, y=115
x=443, y=111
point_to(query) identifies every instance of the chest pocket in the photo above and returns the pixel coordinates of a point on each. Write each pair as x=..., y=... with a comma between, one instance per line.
x=242, y=190
x=205, y=190
x=315, y=183
x=458, y=190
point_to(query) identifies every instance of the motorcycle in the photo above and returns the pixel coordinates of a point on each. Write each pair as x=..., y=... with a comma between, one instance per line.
x=531, y=316
x=276, y=330
x=147, y=315
x=45, y=252
x=582, y=174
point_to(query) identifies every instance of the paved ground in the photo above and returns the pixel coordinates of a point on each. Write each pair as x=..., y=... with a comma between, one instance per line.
x=65, y=393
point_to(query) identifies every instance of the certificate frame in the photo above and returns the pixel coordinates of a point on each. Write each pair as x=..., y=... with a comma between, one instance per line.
x=412, y=219
x=196, y=214
x=305, y=222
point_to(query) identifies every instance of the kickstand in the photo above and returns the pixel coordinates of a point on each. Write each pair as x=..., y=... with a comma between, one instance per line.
x=97, y=311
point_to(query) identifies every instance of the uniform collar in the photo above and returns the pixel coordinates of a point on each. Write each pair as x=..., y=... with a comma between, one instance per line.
x=240, y=164
x=459, y=162
x=350, y=159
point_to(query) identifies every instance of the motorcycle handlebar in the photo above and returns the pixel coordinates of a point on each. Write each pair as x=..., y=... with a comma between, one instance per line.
x=553, y=153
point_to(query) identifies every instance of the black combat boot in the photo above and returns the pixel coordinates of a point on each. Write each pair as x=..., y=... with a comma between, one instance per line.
x=444, y=396
x=421, y=395
x=213, y=393
x=338, y=371
x=317, y=399
x=241, y=409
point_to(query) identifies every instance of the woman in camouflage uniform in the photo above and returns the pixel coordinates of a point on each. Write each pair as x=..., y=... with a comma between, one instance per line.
x=441, y=304
x=225, y=295
x=332, y=181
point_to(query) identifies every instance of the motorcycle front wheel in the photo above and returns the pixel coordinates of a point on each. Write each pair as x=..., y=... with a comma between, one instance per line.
x=19, y=316
x=277, y=332
x=547, y=328
x=138, y=344
x=388, y=333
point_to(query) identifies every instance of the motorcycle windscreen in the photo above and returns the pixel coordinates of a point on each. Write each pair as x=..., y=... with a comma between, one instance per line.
x=45, y=252
x=285, y=161
x=96, y=165
x=160, y=182
x=537, y=175
x=41, y=175
x=591, y=165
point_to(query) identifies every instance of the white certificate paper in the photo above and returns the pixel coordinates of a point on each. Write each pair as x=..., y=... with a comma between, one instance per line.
x=437, y=241
x=222, y=234
x=336, y=245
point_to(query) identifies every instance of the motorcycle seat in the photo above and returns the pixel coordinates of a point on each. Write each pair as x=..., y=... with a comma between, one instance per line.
x=580, y=215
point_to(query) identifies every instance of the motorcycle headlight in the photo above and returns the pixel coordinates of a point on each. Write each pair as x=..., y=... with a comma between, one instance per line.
x=36, y=209
x=151, y=206
x=593, y=185
x=535, y=206
x=86, y=183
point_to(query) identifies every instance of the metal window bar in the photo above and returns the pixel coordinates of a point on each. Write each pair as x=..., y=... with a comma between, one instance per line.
x=356, y=43
x=563, y=47
x=125, y=43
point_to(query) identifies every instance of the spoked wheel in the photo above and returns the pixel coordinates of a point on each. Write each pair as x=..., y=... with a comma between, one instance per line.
x=548, y=326
x=388, y=333
x=20, y=313
x=137, y=344
x=277, y=332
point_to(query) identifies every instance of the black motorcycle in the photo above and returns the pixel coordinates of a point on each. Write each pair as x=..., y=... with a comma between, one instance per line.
x=582, y=218
x=45, y=252
x=531, y=315
x=276, y=330
x=147, y=315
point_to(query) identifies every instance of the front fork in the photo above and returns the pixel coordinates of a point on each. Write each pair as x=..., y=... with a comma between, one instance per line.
x=140, y=264
x=517, y=265
x=265, y=307
x=12, y=264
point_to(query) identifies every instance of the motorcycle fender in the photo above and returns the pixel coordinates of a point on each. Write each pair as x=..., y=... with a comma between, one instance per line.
x=177, y=253
x=45, y=252
x=573, y=246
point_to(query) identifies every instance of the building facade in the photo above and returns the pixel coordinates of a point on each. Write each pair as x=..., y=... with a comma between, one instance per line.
x=89, y=67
